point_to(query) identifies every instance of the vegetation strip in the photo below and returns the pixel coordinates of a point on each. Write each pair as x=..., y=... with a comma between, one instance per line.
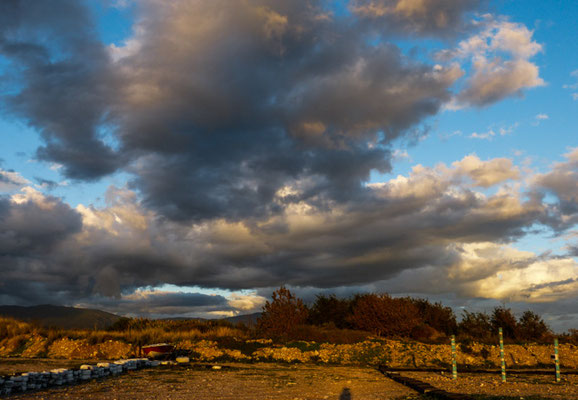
x=422, y=387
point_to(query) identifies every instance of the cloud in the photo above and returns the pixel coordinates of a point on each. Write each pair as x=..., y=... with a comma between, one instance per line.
x=429, y=232
x=247, y=302
x=499, y=54
x=11, y=180
x=46, y=183
x=418, y=17
x=160, y=304
x=561, y=182
x=250, y=130
x=492, y=132
x=539, y=118
x=60, y=87
x=33, y=223
x=405, y=223
x=213, y=108
x=307, y=98
x=487, y=173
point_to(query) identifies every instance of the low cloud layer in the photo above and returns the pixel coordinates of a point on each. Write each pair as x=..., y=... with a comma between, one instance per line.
x=433, y=231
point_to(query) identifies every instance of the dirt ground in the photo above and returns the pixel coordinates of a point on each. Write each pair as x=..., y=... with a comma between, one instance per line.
x=516, y=386
x=239, y=382
x=286, y=381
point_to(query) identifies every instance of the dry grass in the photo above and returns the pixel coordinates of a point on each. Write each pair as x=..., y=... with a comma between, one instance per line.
x=15, y=334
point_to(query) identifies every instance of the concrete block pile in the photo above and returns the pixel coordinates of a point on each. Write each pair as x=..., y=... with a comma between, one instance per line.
x=62, y=376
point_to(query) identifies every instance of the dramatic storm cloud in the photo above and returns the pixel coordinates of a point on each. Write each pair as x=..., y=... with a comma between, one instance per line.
x=59, y=81
x=249, y=144
x=431, y=220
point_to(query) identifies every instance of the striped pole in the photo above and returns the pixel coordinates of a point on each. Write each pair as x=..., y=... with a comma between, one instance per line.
x=557, y=360
x=454, y=360
x=502, y=355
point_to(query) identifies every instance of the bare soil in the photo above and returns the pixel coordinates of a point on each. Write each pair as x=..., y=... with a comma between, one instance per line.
x=516, y=386
x=239, y=382
x=286, y=381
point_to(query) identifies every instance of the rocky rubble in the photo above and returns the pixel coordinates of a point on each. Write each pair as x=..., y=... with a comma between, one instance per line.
x=393, y=353
x=62, y=376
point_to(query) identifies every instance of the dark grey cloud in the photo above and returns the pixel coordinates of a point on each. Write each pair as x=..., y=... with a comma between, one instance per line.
x=560, y=181
x=30, y=228
x=218, y=105
x=225, y=113
x=418, y=17
x=250, y=129
x=60, y=81
x=162, y=304
x=402, y=227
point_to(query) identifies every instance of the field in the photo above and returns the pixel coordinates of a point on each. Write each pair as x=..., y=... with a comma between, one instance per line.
x=290, y=381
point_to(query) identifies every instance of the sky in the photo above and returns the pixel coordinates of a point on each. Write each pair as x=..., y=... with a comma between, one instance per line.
x=187, y=158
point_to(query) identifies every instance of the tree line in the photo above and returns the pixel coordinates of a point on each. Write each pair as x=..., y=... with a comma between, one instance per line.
x=287, y=317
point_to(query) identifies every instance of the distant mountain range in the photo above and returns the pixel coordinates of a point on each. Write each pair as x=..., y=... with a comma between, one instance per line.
x=247, y=319
x=61, y=317
x=83, y=318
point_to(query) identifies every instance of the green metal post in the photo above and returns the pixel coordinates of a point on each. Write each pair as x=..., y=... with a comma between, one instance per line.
x=454, y=359
x=502, y=355
x=556, y=360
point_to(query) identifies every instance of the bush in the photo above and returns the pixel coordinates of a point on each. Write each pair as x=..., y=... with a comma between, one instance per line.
x=475, y=325
x=328, y=334
x=384, y=315
x=427, y=334
x=531, y=327
x=281, y=316
x=503, y=317
x=329, y=310
x=441, y=319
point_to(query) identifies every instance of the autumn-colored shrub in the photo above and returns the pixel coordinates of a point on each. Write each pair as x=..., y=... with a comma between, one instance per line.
x=475, y=325
x=531, y=327
x=330, y=310
x=503, y=317
x=435, y=315
x=327, y=334
x=282, y=315
x=384, y=315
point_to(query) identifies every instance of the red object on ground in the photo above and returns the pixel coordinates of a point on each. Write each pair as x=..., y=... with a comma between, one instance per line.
x=158, y=350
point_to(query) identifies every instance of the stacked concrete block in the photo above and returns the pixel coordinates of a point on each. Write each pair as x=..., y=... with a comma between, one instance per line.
x=63, y=376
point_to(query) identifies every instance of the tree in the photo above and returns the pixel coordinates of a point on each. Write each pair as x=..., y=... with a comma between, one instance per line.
x=282, y=315
x=532, y=327
x=475, y=325
x=330, y=310
x=384, y=315
x=503, y=317
x=436, y=316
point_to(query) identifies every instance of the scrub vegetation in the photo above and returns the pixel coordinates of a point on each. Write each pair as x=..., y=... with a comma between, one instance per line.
x=287, y=323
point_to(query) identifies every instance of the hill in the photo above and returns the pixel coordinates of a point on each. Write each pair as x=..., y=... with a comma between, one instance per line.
x=247, y=319
x=60, y=316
